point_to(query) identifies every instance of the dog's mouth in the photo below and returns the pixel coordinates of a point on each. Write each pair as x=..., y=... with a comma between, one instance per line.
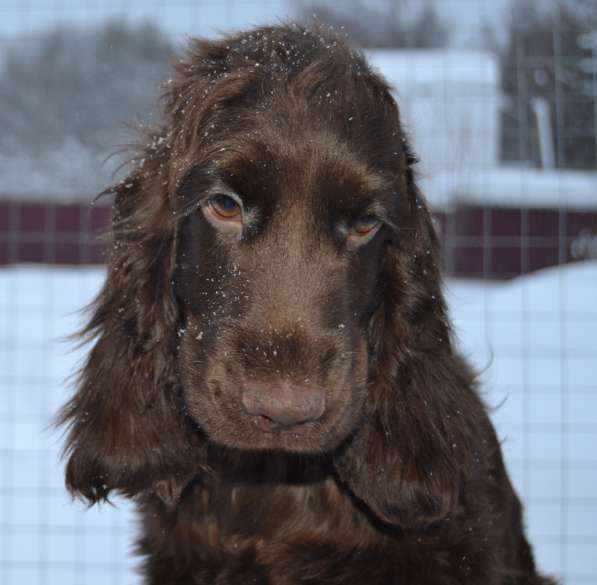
x=269, y=425
x=298, y=410
x=298, y=439
x=316, y=429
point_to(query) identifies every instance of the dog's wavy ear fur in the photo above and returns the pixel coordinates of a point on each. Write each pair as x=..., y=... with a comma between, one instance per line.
x=126, y=426
x=415, y=445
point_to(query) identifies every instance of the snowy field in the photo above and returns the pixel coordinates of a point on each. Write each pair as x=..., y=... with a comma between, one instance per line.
x=535, y=340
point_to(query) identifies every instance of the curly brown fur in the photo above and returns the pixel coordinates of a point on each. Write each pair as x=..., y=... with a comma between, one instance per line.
x=284, y=401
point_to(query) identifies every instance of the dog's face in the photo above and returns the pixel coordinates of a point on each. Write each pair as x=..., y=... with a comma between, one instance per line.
x=279, y=263
x=274, y=269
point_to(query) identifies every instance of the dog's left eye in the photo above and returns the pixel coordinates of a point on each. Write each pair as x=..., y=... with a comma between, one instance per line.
x=365, y=225
x=225, y=207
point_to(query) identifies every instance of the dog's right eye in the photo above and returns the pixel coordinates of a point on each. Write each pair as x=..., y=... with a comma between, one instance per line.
x=225, y=208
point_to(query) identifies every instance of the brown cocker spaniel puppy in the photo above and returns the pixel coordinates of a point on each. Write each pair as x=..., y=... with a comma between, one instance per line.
x=274, y=377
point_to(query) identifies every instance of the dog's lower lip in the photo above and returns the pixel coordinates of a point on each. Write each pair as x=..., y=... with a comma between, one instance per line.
x=266, y=424
x=269, y=426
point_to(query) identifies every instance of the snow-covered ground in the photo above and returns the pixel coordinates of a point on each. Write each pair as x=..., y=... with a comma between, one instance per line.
x=534, y=339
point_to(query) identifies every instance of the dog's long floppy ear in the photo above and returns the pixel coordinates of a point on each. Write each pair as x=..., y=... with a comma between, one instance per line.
x=126, y=425
x=412, y=452
x=126, y=430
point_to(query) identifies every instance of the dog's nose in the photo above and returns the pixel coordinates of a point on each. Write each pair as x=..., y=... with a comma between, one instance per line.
x=283, y=405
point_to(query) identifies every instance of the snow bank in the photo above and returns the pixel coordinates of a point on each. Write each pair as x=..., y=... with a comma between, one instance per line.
x=534, y=341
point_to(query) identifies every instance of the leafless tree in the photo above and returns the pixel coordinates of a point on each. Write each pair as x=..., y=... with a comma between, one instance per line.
x=387, y=23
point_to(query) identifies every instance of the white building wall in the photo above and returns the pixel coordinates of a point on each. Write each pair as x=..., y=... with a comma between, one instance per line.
x=449, y=102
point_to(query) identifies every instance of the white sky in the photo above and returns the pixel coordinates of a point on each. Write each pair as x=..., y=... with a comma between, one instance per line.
x=177, y=17
x=24, y=18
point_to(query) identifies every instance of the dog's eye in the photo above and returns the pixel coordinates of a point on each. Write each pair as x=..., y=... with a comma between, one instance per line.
x=362, y=230
x=225, y=207
x=365, y=225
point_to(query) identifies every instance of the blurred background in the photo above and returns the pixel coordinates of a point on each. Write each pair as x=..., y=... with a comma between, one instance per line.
x=500, y=99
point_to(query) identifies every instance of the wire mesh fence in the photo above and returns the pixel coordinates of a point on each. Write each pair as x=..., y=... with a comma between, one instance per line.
x=504, y=121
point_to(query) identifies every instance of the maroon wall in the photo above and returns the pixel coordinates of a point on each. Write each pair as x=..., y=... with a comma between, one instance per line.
x=52, y=233
x=487, y=242
x=500, y=243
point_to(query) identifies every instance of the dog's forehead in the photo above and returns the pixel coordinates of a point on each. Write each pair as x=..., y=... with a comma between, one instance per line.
x=270, y=168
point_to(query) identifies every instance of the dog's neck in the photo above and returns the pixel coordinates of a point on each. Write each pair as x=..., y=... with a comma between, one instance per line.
x=273, y=497
x=260, y=510
x=231, y=466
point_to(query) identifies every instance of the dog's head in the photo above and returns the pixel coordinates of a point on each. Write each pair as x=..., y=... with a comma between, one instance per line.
x=289, y=195
x=273, y=280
